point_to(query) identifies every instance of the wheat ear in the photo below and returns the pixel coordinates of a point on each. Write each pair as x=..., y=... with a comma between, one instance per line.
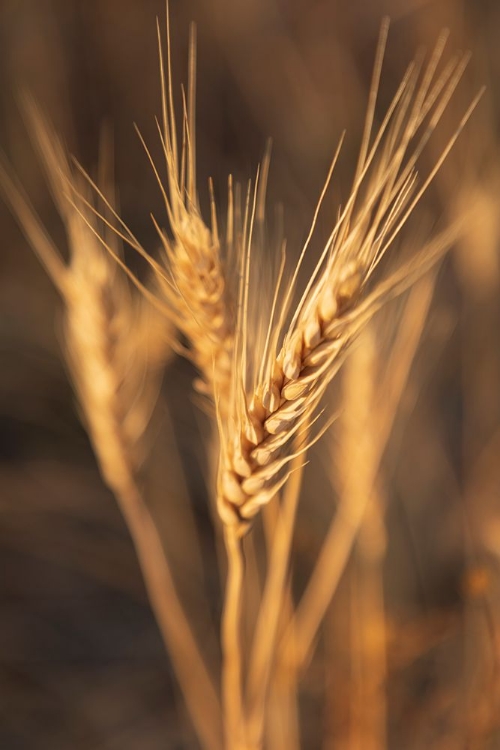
x=197, y=288
x=266, y=414
x=191, y=288
x=116, y=392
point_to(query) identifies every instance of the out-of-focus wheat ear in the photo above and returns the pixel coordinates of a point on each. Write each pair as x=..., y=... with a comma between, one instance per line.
x=341, y=295
x=334, y=554
x=359, y=482
x=116, y=387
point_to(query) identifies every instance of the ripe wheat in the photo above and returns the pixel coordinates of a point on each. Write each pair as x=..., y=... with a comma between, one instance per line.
x=340, y=297
x=266, y=369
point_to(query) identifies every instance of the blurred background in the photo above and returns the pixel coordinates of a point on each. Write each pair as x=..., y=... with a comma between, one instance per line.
x=81, y=661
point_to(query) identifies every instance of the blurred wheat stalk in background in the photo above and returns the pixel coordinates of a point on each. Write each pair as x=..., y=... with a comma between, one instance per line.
x=266, y=354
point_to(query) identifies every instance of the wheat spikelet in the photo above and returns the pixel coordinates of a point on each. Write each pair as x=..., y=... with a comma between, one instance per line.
x=338, y=301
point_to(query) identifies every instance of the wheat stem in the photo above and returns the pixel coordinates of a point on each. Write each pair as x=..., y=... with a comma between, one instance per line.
x=232, y=668
x=196, y=685
x=266, y=630
x=266, y=414
x=357, y=478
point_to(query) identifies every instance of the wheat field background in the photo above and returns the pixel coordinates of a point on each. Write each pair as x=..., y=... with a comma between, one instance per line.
x=408, y=656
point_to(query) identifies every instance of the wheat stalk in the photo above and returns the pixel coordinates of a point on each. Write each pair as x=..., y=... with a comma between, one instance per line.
x=360, y=485
x=273, y=403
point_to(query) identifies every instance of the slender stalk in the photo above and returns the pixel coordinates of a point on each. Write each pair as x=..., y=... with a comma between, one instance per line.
x=196, y=685
x=370, y=607
x=282, y=731
x=358, y=476
x=264, y=643
x=281, y=728
x=327, y=573
x=232, y=697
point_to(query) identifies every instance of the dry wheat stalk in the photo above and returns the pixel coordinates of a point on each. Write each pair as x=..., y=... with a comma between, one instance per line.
x=267, y=413
x=360, y=484
x=116, y=384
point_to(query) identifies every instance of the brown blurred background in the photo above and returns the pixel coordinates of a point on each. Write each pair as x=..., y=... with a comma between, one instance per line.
x=81, y=662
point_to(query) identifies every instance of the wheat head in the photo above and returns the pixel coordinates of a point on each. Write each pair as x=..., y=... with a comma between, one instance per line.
x=341, y=296
x=112, y=371
x=191, y=288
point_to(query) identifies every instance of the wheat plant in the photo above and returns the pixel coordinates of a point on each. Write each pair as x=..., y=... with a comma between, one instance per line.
x=115, y=377
x=265, y=360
